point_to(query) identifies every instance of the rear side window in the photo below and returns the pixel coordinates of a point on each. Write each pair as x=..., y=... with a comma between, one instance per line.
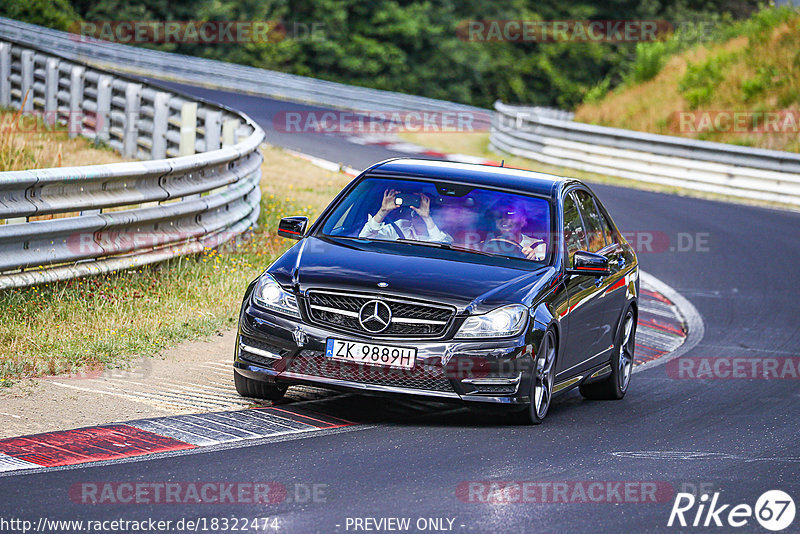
x=593, y=221
x=607, y=232
x=574, y=233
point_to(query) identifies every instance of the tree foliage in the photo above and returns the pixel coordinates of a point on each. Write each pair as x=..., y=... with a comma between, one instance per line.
x=410, y=46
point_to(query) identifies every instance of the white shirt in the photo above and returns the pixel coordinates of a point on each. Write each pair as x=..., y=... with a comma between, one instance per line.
x=383, y=230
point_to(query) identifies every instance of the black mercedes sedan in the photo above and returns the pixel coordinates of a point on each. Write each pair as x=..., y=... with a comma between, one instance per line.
x=481, y=284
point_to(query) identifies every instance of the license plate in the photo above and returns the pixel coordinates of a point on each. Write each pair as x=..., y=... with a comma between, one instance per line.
x=371, y=354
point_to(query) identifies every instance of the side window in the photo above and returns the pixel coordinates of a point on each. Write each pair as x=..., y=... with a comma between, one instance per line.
x=592, y=219
x=607, y=231
x=574, y=234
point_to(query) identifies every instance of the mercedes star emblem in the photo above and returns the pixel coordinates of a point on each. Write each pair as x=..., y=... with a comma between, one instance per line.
x=375, y=316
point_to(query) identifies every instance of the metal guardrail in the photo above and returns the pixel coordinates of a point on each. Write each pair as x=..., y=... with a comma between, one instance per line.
x=212, y=73
x=61, y=223
x=552, y=138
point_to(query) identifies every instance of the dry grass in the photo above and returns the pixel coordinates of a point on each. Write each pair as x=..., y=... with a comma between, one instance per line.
x=26, y=143
x=647, y=106
x=755, y=74
x=293, y=180
x=106, y=320
x=472, y=143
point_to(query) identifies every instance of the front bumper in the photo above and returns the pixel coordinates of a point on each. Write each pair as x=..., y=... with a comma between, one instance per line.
x=274, y=348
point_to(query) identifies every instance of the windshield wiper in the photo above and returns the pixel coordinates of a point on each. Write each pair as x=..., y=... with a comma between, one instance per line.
x=445, y=246
x=435, y=244
x=351, y=238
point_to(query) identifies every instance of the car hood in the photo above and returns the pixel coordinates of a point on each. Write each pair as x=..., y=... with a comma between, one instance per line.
x=426, y=273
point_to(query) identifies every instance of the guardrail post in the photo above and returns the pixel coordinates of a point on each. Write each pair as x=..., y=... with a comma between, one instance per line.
x=26, y=60
x=51, y=91
x=229, y=128
x=130, y=138
x=103, y=118
x=5, y=75
x=188, y=129
x=75, y=118
x=160, y=124
x=213, y=127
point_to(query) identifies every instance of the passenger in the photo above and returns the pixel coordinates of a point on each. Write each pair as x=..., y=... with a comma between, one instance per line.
x=509, y=221
x=376, y=226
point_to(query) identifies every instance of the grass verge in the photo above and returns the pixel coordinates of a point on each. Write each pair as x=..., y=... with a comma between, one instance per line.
x=743, y=90
x=105, y=321
x=26, y=143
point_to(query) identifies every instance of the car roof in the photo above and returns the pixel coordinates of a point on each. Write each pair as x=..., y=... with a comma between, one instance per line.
x=474, y=174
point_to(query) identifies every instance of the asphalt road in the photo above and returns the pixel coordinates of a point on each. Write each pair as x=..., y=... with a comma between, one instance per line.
x=735, y=436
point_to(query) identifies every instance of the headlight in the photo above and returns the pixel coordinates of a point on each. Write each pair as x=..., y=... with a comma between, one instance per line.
x=270, y=295
x=502, y=322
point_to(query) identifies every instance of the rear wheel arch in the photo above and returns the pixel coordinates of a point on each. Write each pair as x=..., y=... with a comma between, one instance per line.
x=634, y=305
x=630, y=305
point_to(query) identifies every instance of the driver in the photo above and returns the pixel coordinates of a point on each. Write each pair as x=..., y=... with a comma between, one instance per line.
x=509, y=220
x=377, y=227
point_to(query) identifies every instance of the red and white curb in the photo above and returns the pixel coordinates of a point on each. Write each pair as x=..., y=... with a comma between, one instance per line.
x=324, y=163
x=158, y=435
x=660, y=328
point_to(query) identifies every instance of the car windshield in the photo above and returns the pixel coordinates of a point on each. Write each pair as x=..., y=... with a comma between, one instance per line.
x=453, y=216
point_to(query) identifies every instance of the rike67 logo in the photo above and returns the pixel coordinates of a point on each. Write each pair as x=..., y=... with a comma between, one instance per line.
x=774, y=510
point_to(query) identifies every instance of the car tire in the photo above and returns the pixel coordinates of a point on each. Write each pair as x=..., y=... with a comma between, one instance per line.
x=542, y=381
x=616, y=385
x=255, y=389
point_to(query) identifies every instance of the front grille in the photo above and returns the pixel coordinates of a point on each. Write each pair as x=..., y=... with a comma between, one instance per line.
x=409, y=319
x=314, y=363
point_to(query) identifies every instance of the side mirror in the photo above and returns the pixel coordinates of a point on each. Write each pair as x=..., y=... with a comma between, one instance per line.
x=293, y=227
x=589, y=264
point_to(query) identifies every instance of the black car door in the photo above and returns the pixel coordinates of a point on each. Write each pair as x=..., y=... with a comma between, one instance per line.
x=616, y=288
x=588, y=330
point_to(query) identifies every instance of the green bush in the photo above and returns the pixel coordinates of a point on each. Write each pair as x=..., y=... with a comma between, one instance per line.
x=650, y=59
x=701, y=79
x=57, y=14
x=598, y=92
